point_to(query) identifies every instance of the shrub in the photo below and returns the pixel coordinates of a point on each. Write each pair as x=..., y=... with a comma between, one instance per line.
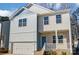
x=50, y=52
x=64, y=53
x=54, y=53
x=3, y=50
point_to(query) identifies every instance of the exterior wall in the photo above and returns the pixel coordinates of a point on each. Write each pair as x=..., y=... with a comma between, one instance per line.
x=24, y=34
x=52, y=26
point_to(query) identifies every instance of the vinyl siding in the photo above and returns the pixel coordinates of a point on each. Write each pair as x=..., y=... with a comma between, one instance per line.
x=26, y=33
x=52, y=26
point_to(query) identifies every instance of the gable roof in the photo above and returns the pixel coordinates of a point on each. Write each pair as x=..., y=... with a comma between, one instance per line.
x=34, y=8
x=40, y=10
x=37, y=9
x=46, y=11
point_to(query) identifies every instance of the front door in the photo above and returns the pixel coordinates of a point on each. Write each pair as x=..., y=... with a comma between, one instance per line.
x=43, y=40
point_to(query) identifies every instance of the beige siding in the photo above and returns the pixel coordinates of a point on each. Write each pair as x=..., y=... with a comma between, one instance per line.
x=52, y=26
x=21, y=37
x=31, y=24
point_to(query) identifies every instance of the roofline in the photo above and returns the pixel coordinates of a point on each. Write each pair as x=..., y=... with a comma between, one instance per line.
x=14, y=13
x=51, y=11
x=17, y=11
x=63, y=11
x=57, y=12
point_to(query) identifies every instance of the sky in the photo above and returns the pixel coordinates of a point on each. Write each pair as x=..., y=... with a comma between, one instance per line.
x=6, y=9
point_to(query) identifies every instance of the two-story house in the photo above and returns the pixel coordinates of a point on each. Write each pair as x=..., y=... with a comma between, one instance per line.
x=34, y=28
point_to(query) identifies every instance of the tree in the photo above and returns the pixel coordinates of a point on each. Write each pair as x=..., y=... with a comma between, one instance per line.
x=4, y=19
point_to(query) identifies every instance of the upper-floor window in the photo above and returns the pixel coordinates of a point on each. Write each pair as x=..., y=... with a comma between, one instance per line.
x=58, y=18
x=60, y=38
x=46, y=20
x=22, y=22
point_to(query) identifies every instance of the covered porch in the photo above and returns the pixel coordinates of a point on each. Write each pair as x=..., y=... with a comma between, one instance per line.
x=54, y=40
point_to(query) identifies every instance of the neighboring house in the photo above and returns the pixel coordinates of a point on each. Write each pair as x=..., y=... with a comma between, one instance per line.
x=5, y=26
x=34, y=28
x=4, y=32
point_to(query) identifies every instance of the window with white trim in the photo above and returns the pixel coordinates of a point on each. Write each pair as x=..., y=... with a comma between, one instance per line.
x=60, y=38
x=22, y=22
x=54, y=39
x=58, y=19
x=46, y=20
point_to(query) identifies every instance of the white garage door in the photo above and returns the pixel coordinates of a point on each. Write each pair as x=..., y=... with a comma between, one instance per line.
x=23, y=48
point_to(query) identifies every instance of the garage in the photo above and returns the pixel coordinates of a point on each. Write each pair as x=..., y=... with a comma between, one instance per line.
x=23, y=48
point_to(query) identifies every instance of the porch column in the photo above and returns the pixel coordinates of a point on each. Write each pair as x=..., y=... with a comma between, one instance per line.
x=56, y=38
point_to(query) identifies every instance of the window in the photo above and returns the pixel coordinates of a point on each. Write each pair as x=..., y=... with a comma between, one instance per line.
x=60, y=38
x=46, y=20
x=58, y=18
x=22, y=22
x=54, y=39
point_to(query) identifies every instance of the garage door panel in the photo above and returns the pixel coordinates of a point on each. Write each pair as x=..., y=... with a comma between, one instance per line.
x=23, y=48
